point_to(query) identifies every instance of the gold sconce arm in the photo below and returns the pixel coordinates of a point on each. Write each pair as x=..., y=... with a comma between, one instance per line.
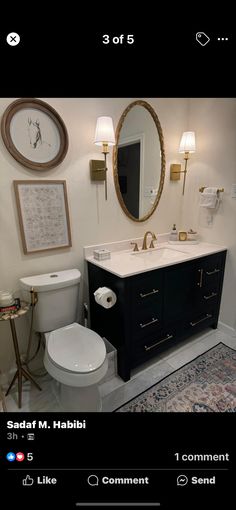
x=175, y=171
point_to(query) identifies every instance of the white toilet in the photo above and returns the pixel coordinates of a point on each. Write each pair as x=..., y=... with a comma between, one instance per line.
x=74, y=355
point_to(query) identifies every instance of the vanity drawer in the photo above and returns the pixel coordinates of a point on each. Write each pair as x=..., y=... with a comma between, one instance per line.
x=209, y=297
x=200, y=320
x=153, y=345
x=147, y=289
x=146, y=321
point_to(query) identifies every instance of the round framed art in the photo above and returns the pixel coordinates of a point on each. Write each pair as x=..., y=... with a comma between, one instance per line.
x=34, y=134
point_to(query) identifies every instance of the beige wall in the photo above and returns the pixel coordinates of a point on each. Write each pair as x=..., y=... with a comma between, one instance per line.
x=214, y=164
x=93, y=220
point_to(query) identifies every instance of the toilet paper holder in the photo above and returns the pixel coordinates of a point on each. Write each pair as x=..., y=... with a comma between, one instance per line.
x=105, y=297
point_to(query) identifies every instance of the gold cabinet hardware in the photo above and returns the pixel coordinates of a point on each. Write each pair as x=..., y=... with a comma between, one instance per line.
x=213, y=294
x=148, y=348
x=212, y=272
x=135, y=246
x=154, y=291
x=148, y=323
x=201, y=276
x=208, y=316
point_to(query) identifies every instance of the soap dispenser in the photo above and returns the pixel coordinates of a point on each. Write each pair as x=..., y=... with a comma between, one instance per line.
x=174, y=234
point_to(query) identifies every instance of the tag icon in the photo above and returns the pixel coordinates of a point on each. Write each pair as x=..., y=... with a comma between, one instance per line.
x=202, y=38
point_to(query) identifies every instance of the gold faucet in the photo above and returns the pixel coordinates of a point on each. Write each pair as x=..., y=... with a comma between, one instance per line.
x=144, y=246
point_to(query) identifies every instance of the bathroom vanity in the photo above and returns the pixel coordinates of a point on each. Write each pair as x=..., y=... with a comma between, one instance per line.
x=161, y=299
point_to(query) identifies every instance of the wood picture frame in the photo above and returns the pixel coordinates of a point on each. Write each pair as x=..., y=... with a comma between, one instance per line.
x=43, y=213
x=34, y=134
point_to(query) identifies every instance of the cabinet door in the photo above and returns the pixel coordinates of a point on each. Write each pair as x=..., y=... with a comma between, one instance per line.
x=210, y=270
x=180, y=293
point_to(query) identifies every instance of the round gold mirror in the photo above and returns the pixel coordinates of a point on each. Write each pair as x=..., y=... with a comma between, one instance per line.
x=139, y=161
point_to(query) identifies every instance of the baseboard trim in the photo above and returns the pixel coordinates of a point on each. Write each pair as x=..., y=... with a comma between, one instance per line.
x=226, y=329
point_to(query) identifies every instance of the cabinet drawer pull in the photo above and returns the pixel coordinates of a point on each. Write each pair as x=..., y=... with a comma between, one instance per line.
x=208, y=315
x=148, y=348
x=212, y=272
x=201, y=276
x=148, y=323
x=213, y=294
x=154, y=291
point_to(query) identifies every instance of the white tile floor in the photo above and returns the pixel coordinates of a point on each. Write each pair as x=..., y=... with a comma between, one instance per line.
x=115, y=392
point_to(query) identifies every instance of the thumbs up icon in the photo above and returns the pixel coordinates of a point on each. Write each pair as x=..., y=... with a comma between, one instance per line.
x=27, y=480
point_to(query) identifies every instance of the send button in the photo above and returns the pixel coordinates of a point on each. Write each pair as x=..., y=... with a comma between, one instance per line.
x=200, y=481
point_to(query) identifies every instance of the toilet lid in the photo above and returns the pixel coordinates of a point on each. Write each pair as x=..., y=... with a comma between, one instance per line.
x=76, y=348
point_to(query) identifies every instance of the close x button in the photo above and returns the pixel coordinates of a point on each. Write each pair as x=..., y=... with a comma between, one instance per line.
x=13, y=39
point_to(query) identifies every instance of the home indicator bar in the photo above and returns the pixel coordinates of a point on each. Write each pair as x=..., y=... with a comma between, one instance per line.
x=117, y=504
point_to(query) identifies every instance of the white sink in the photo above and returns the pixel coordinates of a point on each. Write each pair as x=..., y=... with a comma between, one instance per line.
x=159, y=254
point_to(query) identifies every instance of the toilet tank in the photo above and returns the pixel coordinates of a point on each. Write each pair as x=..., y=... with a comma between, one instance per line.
x=57, y=298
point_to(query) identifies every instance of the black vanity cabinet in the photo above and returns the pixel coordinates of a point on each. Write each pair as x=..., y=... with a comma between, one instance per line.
x=158, y=308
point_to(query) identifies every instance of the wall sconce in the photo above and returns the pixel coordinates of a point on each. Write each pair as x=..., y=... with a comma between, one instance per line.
x=187, y=146
x=104, y=137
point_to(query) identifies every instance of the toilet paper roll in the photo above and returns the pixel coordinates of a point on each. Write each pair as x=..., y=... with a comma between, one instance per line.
x=105, y=297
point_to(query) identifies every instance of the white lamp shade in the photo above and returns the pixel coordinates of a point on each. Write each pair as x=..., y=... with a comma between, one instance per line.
x=104, y=131
x=187, y=143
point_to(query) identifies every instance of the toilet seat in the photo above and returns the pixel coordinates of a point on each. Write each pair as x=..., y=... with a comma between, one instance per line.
x=75, y=355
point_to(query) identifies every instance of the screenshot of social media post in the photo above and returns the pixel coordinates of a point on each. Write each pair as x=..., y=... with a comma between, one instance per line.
x=117, y=272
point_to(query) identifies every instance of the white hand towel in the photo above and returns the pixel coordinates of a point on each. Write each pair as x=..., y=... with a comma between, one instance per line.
x=209, y=198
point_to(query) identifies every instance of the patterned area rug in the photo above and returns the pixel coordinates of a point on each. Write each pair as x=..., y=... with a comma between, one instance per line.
x=206, y=384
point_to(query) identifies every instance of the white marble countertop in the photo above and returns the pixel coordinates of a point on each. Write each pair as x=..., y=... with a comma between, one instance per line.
x=125, y=262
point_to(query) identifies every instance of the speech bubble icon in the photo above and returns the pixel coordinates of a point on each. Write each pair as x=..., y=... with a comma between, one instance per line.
x=93, y=480
x=182, y=480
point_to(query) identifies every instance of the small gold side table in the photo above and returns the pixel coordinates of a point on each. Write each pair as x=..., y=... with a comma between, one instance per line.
x=21, y=371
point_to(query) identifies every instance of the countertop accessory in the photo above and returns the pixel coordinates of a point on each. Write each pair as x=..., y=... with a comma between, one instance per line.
x=102, y=254
x=21, y=371
x=186, y=242
x=192, y=235
x=173, y=234
x=182, y=235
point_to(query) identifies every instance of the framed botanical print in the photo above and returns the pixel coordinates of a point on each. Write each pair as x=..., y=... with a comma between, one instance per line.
x=43, y=215
x=34, y=134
